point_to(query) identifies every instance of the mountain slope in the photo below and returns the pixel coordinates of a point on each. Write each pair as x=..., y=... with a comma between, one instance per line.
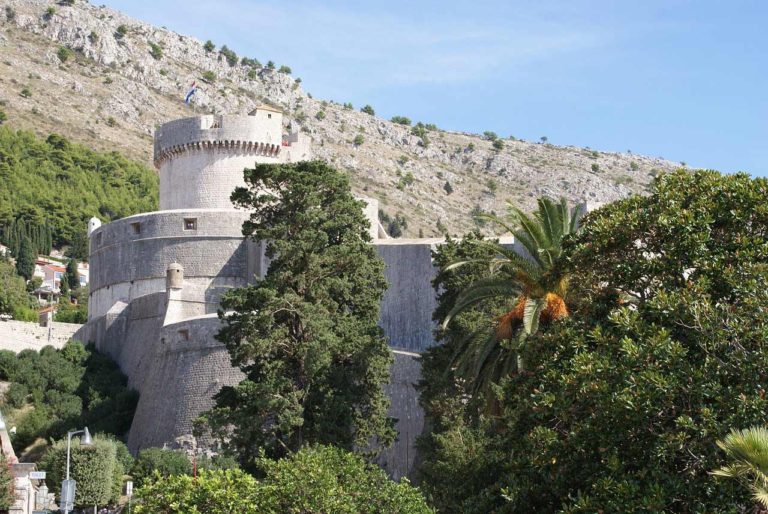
x=104, y=79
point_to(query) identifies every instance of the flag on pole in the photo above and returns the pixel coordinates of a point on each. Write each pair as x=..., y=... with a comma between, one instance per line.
x=191, y=93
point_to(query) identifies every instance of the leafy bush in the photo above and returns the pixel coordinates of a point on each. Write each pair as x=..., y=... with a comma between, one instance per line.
x=13, y=292
x=498, y=144
x=209, y=46
x=93, y=37
x=633, y=166
x=252, y=63
x=285, y=69
x=359, y=140
x=209, y=77
x=121, y=31
x=3, y=116
x=49, y=12
x=25, y=93
x=448, y=187
x=155, y=50
x=229, y=55
x=400, y=120
x=64, y=53
x=96, y=468
x=160, y=461
x=595, y=167
x=270, y=65
x=317, y=479
x=320, y=115
x=367, y=109
x=490, y=136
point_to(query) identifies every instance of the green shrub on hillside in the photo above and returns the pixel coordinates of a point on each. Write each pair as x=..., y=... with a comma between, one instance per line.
x=209, y=46
x=63, y=184
x=400, y=120
x=367, y=109
x=156, y=51
x=64, y=53
x=229, y=55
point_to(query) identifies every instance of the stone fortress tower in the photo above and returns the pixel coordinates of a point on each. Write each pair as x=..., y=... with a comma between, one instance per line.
x=157, y=280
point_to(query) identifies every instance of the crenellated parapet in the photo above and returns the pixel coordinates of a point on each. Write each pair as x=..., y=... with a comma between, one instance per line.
x=259, y=133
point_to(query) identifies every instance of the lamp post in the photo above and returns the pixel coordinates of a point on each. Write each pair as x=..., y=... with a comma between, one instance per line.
x=68, y=486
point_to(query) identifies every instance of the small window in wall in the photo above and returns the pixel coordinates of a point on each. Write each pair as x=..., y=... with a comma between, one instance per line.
x=184, y=334
x=269, y=116
x=136, y=227
x=190, y=223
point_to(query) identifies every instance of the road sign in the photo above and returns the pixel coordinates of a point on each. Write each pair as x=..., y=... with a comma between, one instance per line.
x=37, y=475
x=129, y=488
x=67, y=501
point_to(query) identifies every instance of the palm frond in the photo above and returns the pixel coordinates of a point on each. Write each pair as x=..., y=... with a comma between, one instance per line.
x=480, y=290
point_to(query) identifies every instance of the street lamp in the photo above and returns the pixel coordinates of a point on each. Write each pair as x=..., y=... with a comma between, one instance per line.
x=68, y=486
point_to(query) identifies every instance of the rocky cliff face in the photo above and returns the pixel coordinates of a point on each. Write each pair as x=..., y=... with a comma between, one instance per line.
x=124, y=77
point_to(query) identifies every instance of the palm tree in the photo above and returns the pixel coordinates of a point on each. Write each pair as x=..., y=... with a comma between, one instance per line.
x=748, y=452
x=532, y=280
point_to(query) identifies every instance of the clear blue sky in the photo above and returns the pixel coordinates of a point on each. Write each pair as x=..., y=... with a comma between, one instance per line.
x=683, y=79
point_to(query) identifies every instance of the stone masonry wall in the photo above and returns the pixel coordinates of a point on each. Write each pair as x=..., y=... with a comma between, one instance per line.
x=24, y=335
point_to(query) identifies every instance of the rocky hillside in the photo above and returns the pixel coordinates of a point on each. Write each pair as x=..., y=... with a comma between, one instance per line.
x=102, y=78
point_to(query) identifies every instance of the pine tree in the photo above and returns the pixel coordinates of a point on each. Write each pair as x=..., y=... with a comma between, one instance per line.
x=306, y=336
x=25, y=260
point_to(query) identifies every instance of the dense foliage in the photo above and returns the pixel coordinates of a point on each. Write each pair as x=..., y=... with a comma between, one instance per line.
x=14, y=299
x=622, y=405
x=65, y=388
x=153, y=462
x=54, y=183
x=98, y=469
x=7, y=485
x=306, y=336
x=451, y=448
x=315, y=480
x=41, y=236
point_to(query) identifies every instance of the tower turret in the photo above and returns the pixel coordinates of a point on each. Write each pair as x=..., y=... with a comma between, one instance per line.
x=201, y=159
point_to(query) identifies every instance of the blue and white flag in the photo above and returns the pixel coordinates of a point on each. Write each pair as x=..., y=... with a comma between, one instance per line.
x=191, y=93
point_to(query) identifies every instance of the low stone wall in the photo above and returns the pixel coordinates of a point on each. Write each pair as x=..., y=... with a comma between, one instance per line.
x=24, y=335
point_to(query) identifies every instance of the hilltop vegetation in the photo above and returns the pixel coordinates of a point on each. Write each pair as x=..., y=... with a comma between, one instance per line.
x=54, y=183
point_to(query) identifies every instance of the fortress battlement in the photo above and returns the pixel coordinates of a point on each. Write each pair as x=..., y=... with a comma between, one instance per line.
x=260, y=132
x=201, y=159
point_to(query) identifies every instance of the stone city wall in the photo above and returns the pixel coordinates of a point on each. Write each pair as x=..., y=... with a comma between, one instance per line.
x=24, y=335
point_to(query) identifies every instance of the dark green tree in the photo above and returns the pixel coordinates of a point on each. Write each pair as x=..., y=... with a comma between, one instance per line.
x=25, y=259
x=306, y=336
x=73, y=277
